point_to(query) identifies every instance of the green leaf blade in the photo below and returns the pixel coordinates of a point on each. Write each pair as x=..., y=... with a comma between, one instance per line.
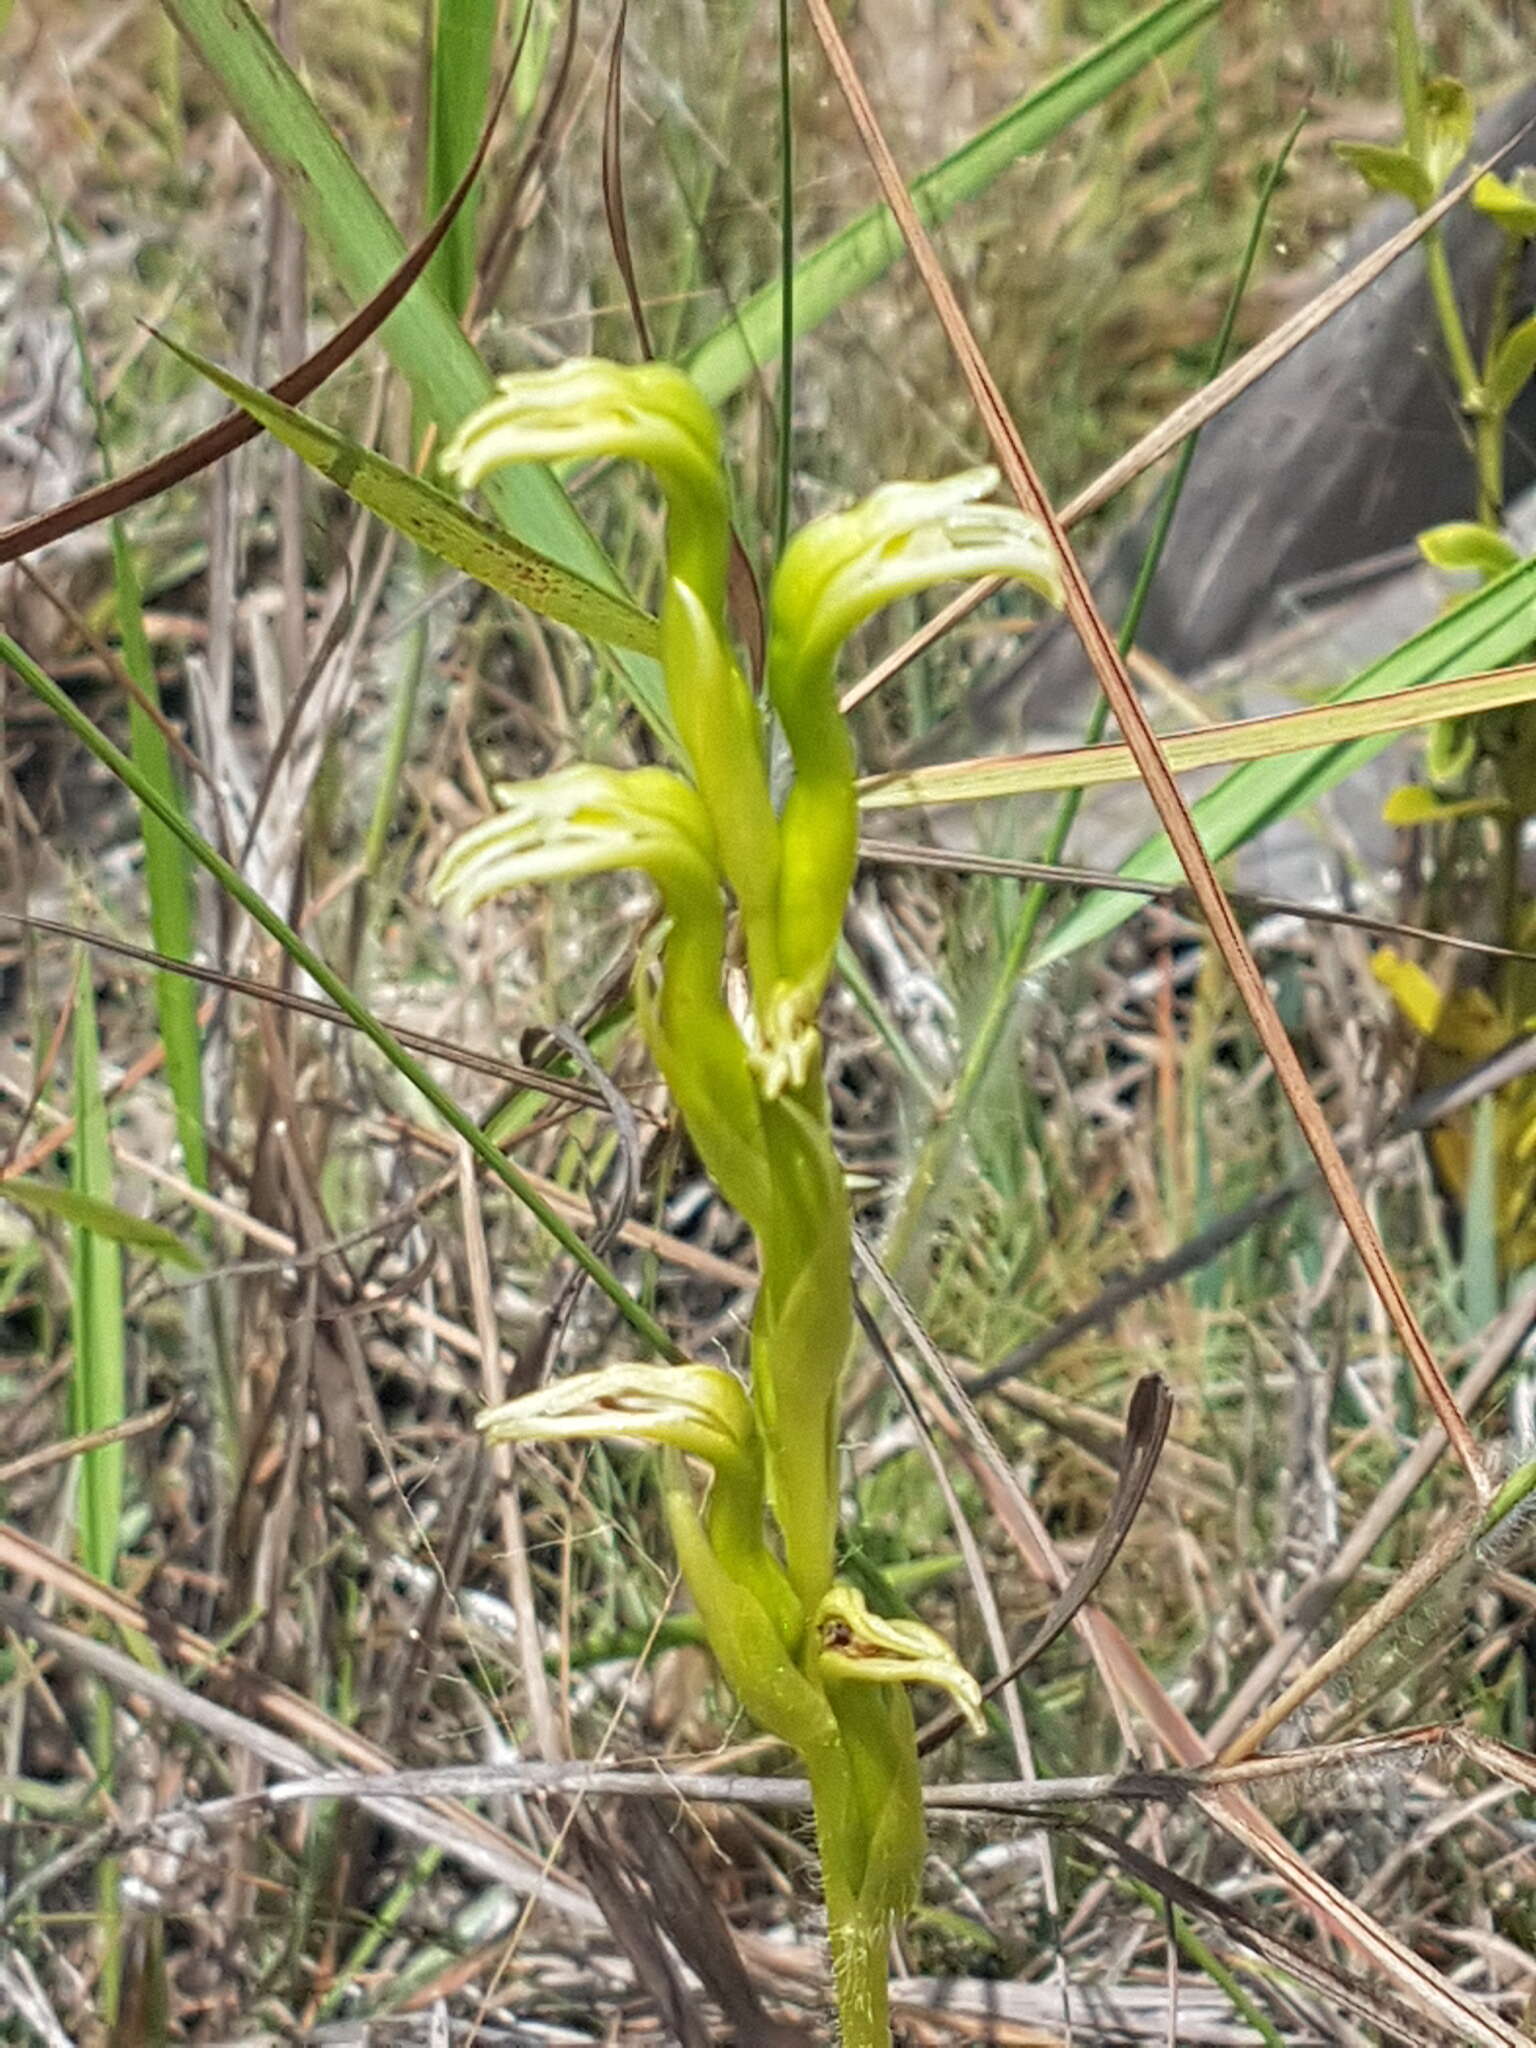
x=863, y=251
x=168, y=875
x=85, y=1211
x=1494, y=626
x=437, y=522
x=463, y=48
x=97, y=1380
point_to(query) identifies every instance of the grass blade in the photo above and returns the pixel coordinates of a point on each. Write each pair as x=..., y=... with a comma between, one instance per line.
x=96, y=1386
x=463, y=48
x=83, y=1211
x=1489, y=628
x=1208, y=746
x=863, y=251
x=167, y=875
x=96, y=1402
x=437, y=522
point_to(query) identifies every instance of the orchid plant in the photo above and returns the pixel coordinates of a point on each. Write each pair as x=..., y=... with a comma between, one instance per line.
x=755, y=1532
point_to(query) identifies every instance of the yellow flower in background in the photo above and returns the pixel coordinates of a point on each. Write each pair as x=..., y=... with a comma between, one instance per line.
x=1461, y=1027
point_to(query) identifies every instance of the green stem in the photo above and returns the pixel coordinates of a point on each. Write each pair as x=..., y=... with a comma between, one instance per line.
x=869, y=1830
x=1489, y=435
x=722, y=736
x=819, y=833
x=858, y=1940
x=1410, y=76
x=1443, y=292
x=786, y=287
x=386, y=803
x=1410, y=93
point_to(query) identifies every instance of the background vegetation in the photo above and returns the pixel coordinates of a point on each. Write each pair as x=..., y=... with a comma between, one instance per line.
x=241, y=1256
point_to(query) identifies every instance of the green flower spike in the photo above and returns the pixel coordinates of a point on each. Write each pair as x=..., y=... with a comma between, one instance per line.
x=834, y=574
x=806, y=1658
x=871, y=1650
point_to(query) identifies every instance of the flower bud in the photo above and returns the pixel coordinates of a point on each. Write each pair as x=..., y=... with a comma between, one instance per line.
x=693, y=1408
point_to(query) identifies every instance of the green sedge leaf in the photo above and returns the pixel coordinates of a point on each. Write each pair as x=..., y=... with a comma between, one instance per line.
x=437, y=522
x=102, y=1218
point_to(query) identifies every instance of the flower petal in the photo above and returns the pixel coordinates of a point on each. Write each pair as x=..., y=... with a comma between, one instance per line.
x=582, y=820
x=646, y=412
x=694, y=1408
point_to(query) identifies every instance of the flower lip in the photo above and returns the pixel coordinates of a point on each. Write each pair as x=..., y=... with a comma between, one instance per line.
x=647, y=412
x=694, y=1408
x=872, y=1649
x=581, y=820
x=901, y=539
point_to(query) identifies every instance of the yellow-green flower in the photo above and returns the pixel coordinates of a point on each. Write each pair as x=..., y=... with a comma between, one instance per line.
x=645, y=412
x=582, y=820
x=905, y=537
x=835, y=573
x=870, y=1649
x=696, y=1409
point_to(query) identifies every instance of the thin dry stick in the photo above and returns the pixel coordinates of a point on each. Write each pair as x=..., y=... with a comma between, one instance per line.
x=493, y=1387
x=467, y=1837
x=911, y=853
x=1099, y=645
x=76, y=1446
